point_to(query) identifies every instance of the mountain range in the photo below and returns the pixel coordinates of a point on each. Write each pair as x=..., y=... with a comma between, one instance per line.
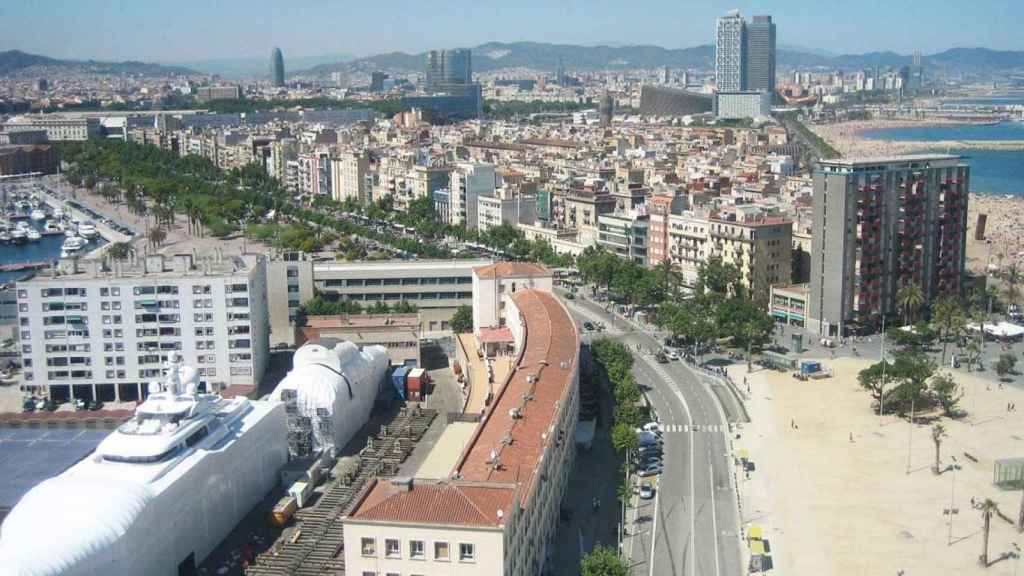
x=543, y=56
x=18, y=62
x=259, y=65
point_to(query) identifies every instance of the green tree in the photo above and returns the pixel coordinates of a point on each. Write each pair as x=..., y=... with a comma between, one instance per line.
x=157, y=236
x=603, y=561
x=624, y=438
x=874, y=379
x=988, y=509
x=1006, y=363
x=950, y=319
x=938, y=435
x=462, y=320
x=947, y=392
x=910, y=299
x=715, y=277
x=120, y=250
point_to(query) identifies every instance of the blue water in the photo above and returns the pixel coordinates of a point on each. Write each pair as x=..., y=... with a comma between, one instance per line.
x=992, y=171
x=46, y=248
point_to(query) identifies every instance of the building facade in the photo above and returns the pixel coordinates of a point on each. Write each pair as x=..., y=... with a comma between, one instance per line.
x=745, y=104
x=731, y=53
x=468, y=182
x=349, y=173
x=881, y=224
x=276, y=68
x=497, y=512
x=761, y=55
x=58, y=128
x=102, y=333
x=761, y=249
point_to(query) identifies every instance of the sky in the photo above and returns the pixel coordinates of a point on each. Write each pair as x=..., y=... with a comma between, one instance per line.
x=190, y=30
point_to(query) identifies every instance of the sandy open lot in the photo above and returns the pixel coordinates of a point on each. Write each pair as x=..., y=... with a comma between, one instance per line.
x=830, y=505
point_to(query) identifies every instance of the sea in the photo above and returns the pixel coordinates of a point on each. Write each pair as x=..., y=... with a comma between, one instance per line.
x=46, y=248
x=999, y=172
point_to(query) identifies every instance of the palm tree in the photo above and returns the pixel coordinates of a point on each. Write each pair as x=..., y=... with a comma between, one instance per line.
x=950, y=318
x=988, y=508
x=938, y=433
x=909, y=298
x=157, y=236
x=1020, y=514
x=1012, y=279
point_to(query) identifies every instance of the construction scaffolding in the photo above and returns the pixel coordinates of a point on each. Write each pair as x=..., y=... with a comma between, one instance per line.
x=315, y=546
x=300, y=428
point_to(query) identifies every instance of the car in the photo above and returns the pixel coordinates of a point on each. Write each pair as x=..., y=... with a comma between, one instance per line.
x=661, y=357
x=570, y=296
x=588, y=326
x=652, y=470
x=652, y=427
x=671, y=354
x=646, y=491
x=648, y=439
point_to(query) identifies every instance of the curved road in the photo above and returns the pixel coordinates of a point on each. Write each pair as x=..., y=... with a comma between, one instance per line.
x=691, y=527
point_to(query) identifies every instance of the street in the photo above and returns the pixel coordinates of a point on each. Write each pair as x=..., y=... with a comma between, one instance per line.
x=691, y=526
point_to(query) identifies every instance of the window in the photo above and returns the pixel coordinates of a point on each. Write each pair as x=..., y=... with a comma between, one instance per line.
x=416, y=549
x=466, y=552
x=441, y=551
x=392, y=549
x=369, y=547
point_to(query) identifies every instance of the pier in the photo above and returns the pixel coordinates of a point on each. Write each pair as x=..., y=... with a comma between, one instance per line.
x=19, y=266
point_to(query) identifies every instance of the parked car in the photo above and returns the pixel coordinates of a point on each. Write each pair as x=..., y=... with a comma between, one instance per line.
x=661, y=357
x=646, y=491
x=649, y=439
x=652, y=470
x=588, y=326
x=652, y=427
x=671, y=354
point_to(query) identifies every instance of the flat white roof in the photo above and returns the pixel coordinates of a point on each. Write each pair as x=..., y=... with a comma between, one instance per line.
x=401, y=265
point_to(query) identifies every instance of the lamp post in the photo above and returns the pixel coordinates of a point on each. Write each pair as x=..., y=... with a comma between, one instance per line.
x=881, y=393
x=910, y=431
x=951, y=510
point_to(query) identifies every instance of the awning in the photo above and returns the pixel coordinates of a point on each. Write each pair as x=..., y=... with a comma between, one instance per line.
x=148, y=302
x=74, y=319
x=754, y=533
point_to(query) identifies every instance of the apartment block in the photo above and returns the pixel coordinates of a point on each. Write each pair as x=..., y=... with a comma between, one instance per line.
x=436, y=287
x=349, y=177
x=881, y=224
x=496, y=512
x=96, y=332
x=760, y=247
x=468, y=182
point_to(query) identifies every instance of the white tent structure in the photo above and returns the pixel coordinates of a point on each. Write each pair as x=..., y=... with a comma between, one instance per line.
x=335, y=385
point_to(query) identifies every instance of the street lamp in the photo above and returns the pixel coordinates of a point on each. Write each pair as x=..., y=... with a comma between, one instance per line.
x=951, y=510
x=910, y=432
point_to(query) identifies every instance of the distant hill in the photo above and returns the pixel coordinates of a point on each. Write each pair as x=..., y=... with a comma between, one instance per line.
x=542, y=56
x=14, y=62
x=260, y=65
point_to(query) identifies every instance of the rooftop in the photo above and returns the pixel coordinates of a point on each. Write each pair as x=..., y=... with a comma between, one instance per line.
x=152, y=266
x=866, y=160
x=511, y=270
x=364, y=321
x=434, y=265
x=500, y=461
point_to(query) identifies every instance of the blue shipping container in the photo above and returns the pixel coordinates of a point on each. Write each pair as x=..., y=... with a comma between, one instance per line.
x=398, y=380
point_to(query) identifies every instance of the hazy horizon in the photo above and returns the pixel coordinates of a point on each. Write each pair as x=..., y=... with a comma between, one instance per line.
x=236, y=29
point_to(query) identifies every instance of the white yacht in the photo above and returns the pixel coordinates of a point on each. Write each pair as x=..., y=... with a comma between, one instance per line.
x=158, y=494
x=32, y=234
x=53, y=227
x=72, y=245
x=37, y=214
x=20, y=232
x=87, y=230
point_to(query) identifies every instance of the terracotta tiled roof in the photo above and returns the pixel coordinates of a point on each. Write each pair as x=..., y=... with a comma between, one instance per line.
x=447, y=503
x=490, y=335
x=549, y=356
x=511, y=269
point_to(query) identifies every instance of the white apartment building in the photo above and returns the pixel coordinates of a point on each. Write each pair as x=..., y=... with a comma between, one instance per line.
x=493, y=282
x=736, y=105
x=436, y=287
x=497, y=210
x=58, y=128
x=469, y=182
x=93, y=332
x=349, y=177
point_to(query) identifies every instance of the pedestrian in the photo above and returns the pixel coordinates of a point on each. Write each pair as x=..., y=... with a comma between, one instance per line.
x=792, y=423
x=851, y=437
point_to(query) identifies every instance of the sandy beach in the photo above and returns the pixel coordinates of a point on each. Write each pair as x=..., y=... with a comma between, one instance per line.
x=834, y=495
x=846, y=137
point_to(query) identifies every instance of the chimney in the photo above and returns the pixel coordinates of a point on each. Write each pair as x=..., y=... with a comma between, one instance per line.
x=402, y=484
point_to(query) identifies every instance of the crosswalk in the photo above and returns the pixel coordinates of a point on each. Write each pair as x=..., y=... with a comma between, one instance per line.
x=681, y=428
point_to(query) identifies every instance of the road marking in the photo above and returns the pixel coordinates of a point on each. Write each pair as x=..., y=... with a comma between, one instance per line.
x=654, y=531
x=714, y=515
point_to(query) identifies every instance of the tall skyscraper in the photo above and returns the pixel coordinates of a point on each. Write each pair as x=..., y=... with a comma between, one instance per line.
x=731, y=53
x=448, y=67
x=881, y=224
x=458, y=66
x=276, y=67
x=761, y=55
